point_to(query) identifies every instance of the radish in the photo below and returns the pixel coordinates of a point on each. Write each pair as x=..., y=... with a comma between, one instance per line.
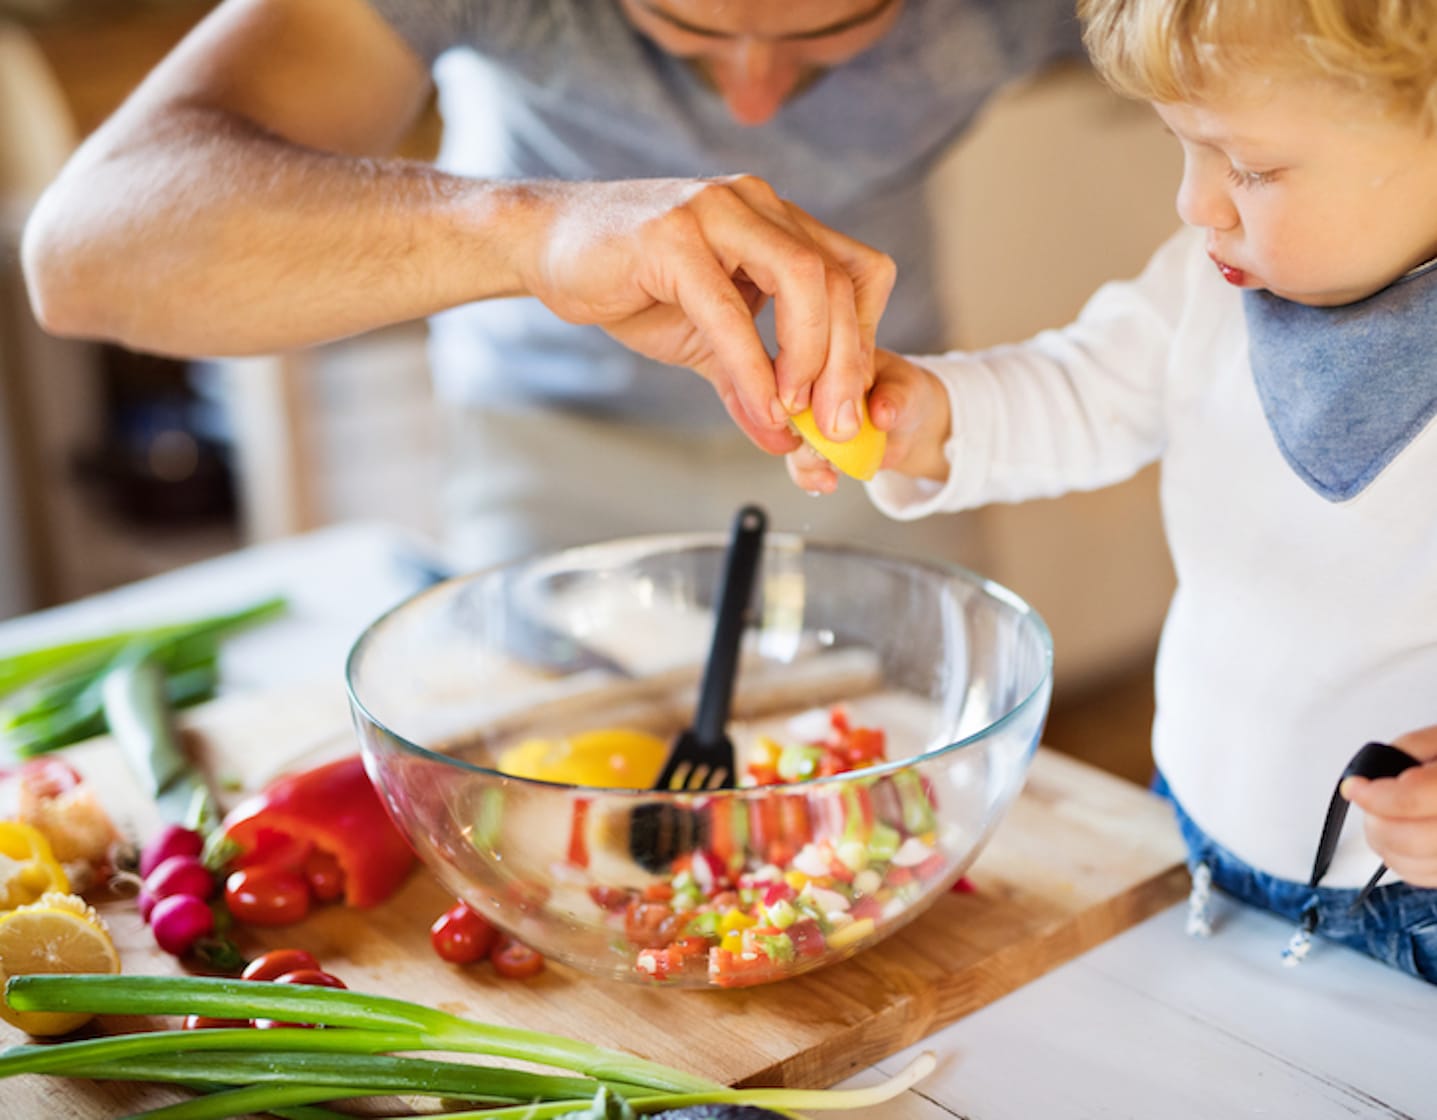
x=179, y=921
x=180, y=875
x=172, y=840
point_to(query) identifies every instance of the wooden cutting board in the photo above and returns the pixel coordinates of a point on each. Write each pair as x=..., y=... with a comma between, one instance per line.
x=1080, y=856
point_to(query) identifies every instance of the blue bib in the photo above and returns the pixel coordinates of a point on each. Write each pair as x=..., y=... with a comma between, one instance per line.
x=1345, y=389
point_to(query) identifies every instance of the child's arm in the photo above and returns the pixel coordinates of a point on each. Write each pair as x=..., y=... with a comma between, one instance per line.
x=1402, y=811
x=908, y=403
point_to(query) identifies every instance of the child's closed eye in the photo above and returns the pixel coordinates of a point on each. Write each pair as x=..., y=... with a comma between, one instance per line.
x=1245, y=178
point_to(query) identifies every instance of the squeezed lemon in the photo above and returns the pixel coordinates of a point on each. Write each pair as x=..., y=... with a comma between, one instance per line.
x=612, y=757
x=858, y=457
x=56, y=933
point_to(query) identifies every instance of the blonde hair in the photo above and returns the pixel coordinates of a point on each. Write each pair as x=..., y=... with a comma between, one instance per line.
x=1182, y=50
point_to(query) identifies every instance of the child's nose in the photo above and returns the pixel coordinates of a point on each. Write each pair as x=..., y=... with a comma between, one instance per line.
x=1204, y=199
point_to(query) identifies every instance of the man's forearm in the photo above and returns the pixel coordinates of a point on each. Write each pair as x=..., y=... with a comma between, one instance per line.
x=206, y=235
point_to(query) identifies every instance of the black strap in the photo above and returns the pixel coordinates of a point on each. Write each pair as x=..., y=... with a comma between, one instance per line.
x=1375, y=760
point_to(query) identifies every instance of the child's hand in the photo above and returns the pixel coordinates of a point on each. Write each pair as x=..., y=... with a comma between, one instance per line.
x=907, y=402
x=1402, y=811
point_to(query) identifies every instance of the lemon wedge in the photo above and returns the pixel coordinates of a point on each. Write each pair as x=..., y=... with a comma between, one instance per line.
x=858, y=457
x=56, y=933
x=610, y=757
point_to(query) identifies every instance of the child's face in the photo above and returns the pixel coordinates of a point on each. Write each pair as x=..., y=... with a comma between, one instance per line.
x=1306, y=189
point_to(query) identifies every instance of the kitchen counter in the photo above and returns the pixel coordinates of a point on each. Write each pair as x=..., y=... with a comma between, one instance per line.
x=1149, y=1024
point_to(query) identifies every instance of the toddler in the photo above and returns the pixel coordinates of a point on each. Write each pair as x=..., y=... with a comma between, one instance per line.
x=1279, y=357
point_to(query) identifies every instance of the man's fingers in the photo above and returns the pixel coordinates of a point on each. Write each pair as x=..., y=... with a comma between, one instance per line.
x=872, y=272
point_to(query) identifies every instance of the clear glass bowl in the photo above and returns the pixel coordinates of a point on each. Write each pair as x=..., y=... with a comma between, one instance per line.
x=726, y=888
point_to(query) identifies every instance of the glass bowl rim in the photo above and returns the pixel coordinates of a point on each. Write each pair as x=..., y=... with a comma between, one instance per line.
x=676, y=542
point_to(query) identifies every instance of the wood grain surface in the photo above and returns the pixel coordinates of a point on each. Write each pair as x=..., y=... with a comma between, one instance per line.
x=1080, y=857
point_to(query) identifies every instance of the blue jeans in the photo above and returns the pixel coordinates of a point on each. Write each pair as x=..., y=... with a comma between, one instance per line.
x=1397, y=924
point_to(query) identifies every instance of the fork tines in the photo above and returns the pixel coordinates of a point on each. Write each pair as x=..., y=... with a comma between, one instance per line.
x=694, y=776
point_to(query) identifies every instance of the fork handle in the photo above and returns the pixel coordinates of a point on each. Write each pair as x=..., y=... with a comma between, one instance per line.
x=735, y=590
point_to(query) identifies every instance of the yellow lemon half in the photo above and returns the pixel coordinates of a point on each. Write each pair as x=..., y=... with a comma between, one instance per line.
x=613, y=757
x=57, y=933
x=858, y=457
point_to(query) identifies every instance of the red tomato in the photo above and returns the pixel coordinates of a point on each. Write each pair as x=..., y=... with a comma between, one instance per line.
x=514, y=960
x=609, y=898
x=205, y=1022
x=310, y=976
x=277, y=962
x=300, y=976
x=326, y=877
x=267, y=895
x=460, y=936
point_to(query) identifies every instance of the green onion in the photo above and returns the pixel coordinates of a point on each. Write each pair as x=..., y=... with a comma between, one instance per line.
x=243, y=1071
x=51, y=697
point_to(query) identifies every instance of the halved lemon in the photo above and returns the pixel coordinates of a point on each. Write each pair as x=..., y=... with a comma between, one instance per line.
x=608, y=757
x=858, y=457
x=56, y=933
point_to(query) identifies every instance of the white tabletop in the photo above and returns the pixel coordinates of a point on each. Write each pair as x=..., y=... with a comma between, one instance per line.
x=1151, y=1024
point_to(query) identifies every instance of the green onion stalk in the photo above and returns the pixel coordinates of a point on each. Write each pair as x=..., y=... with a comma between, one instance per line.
x=52, y=696
x=241, y=1071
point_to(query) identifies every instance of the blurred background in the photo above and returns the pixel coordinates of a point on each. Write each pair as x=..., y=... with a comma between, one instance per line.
x=115, y=466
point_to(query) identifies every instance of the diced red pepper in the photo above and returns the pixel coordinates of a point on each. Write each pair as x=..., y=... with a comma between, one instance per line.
x=737, y=970
x=332, y=809
x=660, y=964
x=578, y=841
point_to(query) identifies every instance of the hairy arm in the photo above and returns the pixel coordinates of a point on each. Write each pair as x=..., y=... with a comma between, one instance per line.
x=239, y=201
x=242, y=201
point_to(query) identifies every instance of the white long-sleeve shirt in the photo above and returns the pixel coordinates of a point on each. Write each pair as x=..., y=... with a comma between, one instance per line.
x=1300, y=628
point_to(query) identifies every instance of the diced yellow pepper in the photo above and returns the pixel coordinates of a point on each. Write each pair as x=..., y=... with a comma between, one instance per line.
x=732, y=942
x=736, y=919
x=28, y=867
x=850, y=934
x=795, y=879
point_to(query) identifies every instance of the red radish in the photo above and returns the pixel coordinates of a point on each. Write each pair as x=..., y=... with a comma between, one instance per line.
x=179, y=921
x=180, y=875
x=172, y=840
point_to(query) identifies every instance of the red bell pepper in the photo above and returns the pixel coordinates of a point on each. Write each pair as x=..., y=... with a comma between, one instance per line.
x=331, y=809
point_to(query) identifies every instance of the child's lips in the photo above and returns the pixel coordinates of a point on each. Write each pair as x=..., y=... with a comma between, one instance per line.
x=1234, y=276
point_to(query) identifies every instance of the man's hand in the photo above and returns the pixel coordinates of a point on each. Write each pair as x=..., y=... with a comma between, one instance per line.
x=1402, y=811
x=677, y=270
x=911, y=405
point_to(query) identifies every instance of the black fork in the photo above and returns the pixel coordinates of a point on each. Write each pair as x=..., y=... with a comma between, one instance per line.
x=702, y=757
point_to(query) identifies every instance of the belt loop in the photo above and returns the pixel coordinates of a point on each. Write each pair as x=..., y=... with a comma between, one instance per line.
x=1300, y=944
x=1199, y=922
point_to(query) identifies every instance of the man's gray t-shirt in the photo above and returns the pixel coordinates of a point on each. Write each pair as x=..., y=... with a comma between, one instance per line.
x=569, y=89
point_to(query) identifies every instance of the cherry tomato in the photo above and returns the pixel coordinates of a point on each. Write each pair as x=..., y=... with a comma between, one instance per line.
x=514, y=960
x=310, y=976
x=277, y=962
x=267, y=895
x=461, y=936
x=326, y=877
x=300, y=976
x=205, y=1022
